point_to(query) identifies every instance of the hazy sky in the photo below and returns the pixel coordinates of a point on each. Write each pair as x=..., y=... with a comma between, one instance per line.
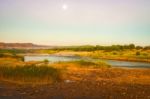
x=73, y=22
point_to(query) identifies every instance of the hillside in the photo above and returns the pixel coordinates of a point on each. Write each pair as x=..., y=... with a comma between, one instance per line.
x=21, y=46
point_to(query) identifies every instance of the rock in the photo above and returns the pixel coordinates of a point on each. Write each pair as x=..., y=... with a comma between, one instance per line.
x=68, y=81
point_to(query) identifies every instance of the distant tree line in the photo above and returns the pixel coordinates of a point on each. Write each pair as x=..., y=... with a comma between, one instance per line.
x=15, y=51
x=99, y=47
x=79, y=48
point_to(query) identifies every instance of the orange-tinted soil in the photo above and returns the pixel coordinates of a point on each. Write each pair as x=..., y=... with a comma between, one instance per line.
x=86, y=84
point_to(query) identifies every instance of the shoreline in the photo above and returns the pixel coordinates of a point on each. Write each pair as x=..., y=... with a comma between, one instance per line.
x=127, y=60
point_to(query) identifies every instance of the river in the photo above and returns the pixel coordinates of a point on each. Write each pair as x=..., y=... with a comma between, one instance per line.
x=113, y=63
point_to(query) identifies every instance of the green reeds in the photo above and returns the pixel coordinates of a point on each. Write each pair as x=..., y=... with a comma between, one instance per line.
x=29, y=73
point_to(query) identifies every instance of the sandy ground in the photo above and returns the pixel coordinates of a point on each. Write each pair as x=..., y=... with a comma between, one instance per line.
x=86, y=84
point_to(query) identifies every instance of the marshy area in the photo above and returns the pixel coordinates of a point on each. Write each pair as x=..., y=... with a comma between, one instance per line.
x=74, y=74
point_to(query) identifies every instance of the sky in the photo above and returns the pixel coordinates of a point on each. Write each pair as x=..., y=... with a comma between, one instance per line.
x=75, y=22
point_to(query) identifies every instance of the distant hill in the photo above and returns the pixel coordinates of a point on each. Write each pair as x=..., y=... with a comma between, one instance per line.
x=22, y=46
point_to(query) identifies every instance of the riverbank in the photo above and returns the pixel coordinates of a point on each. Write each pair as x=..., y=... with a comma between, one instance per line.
x=126, y=59
x=126, y=55
x=106, y=83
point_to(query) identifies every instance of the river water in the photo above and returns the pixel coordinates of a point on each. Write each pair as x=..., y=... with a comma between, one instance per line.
x=113, y=63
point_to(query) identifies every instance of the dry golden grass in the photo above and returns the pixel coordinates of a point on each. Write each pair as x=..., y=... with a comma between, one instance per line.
x=10, y=62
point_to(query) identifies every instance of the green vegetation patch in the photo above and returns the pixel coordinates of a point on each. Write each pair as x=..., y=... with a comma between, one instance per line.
x=30, y=73
x=92, y=64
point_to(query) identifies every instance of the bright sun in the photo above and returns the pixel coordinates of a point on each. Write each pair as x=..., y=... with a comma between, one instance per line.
x=64, y=6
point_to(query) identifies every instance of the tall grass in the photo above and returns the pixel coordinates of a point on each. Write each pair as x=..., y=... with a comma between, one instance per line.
x=30, y=73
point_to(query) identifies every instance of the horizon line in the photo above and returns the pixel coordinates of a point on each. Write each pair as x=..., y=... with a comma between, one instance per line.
x=73, y=44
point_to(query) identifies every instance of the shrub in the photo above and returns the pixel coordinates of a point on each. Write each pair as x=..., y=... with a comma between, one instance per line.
x=83, y=62
x=102, y=64
x=114, y=53
x=138, y=53
x=1, y=55
x=46, y=61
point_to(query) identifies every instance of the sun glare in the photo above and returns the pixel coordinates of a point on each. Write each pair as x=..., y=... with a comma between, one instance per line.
x=65, y=7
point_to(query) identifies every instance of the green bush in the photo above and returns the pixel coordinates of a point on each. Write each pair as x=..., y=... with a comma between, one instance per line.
x=1, y=55
x=114, y=53
x=46, y=61
x=138, y=53
x=85, y=63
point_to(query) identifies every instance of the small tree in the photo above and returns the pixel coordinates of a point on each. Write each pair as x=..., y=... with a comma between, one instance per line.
x=131, y=46
x=139, y=47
